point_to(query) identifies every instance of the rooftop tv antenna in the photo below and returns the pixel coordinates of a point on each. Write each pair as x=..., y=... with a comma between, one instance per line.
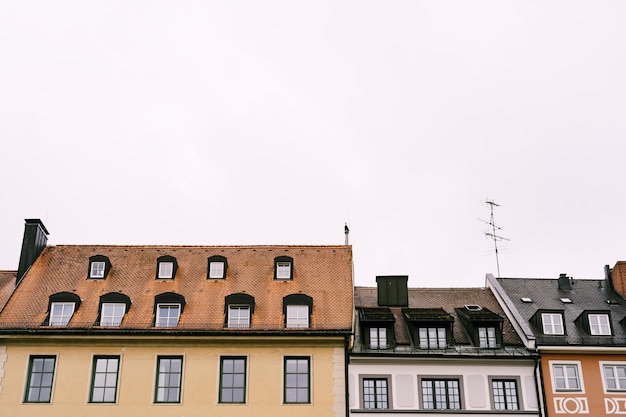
x=493, y=233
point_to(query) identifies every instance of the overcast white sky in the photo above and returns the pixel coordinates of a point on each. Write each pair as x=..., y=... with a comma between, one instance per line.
x=237, y=122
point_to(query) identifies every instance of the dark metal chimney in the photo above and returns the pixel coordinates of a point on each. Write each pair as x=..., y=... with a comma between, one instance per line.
x=565, y=282
x=35, y=240
x=393, y=290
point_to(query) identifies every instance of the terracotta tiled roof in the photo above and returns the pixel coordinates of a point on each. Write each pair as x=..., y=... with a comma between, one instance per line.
x=445, y=298
x=7, y=285
x=321, y=272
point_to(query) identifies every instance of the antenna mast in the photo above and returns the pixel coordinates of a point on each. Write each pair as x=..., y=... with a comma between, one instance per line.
x=493, y=234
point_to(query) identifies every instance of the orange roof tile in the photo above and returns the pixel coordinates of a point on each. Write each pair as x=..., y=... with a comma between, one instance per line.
x=321, y=272
x=7, y=285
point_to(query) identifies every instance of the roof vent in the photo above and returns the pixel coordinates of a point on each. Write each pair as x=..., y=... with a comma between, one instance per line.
x=473, y=307
x=565, y=282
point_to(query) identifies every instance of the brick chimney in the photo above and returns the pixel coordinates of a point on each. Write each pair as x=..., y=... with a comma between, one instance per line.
x=35, y=240
x=618, y=278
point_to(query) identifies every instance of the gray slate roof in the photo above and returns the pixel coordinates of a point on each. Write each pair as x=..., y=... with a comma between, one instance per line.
x=586, y=295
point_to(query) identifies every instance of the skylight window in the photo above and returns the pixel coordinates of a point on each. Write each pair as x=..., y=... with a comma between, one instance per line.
x=566, y=300
x=526, y=300
x=473, y=307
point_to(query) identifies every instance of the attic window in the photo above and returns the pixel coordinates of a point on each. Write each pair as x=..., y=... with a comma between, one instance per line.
x=566, y=300
x=473, y=307
x=526, y=300
x=166, y=267
x=99, y=267
x=283, y=268
x=217, y=267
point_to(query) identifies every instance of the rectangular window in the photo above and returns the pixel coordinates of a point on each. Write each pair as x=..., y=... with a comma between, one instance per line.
x=166, y=270
x=61, y=313
x=283, y=270
x=378, y=338
x=167, y=315
x=566, y=377
x=552, y=323
x=505, y=394
x=239, y=316
x=441, y=394
x=297, y=378
x=432, y=337
x=104, y=379
x=487, y=337
x=216, y=270
x=375, y=393
x=97, y=270
x=233, y=380
x=40, y=377
x=615, y=377
x=112, y=314
x=169, y=379
x=297, y=316
x=599, y=324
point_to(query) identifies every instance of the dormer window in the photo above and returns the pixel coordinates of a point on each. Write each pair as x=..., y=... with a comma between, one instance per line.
x=487, y=337
x=99, y=267
x=483, y=326
x=552, y=323
x=377, y=327
x=599, y=324
x=167, y=309
x=283, y=268
x=166, y=267
x=238, y=310
x=431, y=328
x=113, y=308
x=61, y=308
x=297, y=310
x=217, y=267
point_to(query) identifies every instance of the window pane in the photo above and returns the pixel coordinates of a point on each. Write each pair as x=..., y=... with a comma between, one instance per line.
x=298, y=316
x=239, y=316
x=216, y=270
x=104, y=381
x=232, y=380
x=169, y=372
x=375, y=393
x=297, y=380
x=167, y=315
x=40, y=379
x=166, y=269
x=283, y=270
x=61, y=313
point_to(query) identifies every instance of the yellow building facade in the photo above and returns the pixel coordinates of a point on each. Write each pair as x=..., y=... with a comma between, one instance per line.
x=130, y=336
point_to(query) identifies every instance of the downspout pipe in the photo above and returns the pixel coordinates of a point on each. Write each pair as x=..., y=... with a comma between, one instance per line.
x=541, y=397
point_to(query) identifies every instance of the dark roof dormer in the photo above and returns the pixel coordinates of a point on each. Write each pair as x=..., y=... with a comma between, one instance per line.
x=483, y=327
x=430, y=328
x=595, y=322
x=377, y=327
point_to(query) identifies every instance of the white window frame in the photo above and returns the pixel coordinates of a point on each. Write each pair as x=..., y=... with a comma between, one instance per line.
x=97, y=269
x=487, y=337
x=297, y=316
x=169, y=318
x=620, y=387
x=166, y=270
x=565, y=366
x=431, y=337
x=216, y=269
x=378, y=338
x=64, y=317
x=235, y=317
x=599, y=324
x=283, y=270
x=550, y=325
x=112, y=314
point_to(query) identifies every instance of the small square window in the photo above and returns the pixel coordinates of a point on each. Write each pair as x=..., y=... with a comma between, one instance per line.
x=97, y=270
x=216, y=270
x=112, y=314
x=615, y=377
x=552, y=323
x=432, y=337
x=297, y=316
x=487, y=337
x=40, y=378
x=239, y=316
x=297, y=380
x=599, y=325
x=61, y=313
x=283, y=270
x=166, y=270
x=167, y=315
x=566, y=377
